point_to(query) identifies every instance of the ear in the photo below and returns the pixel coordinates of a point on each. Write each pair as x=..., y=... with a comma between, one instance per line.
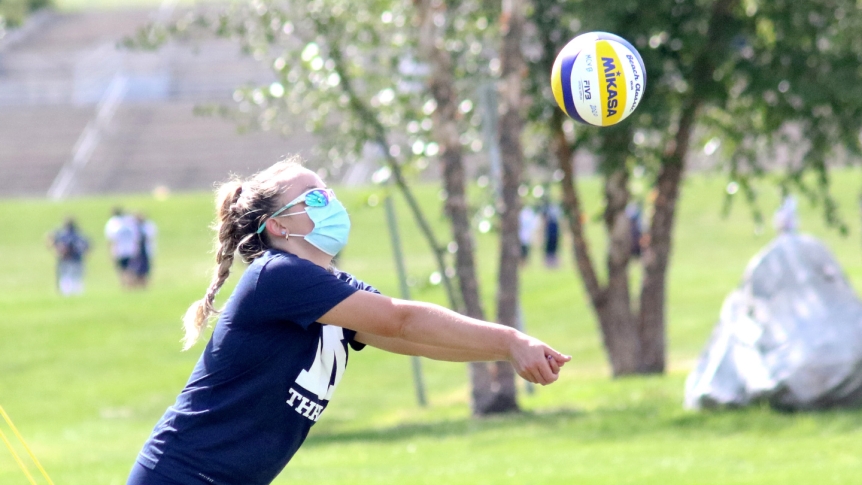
x=275, y=228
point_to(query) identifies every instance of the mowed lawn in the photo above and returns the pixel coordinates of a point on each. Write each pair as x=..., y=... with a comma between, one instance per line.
x=86, y=378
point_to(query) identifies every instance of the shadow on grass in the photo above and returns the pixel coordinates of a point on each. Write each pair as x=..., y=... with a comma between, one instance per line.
x=763, y=419
x=616, y=424
x=448, y=428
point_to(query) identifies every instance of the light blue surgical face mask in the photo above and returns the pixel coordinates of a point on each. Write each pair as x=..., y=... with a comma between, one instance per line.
x=331, y=226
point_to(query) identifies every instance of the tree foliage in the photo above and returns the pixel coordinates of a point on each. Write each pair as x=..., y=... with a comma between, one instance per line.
x=786, y=76
x=14, y=12
x=327, y=55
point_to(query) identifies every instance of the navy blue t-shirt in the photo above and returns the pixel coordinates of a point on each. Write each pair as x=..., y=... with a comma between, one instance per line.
x=263, y=380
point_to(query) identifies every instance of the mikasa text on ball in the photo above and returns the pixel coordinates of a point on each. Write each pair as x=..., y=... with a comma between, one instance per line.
x=598, y=78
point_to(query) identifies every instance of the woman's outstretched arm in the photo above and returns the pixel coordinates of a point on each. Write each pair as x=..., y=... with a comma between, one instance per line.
x=400, y=346
x=458, y=337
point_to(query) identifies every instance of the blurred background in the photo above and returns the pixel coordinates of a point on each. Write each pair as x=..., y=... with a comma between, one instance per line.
x=81, y=116
x=436, y=124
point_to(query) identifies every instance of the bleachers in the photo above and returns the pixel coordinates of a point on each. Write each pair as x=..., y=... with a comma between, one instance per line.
x=52, y=80
x=189, y=152
x=35, y=141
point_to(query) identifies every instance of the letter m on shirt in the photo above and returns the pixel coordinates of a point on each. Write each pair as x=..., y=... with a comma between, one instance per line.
x=330, y=354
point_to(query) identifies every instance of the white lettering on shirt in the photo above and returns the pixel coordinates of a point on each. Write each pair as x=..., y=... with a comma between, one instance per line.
x=330, y=354
x=293, y=396
x=304, y=406
x=316, y=414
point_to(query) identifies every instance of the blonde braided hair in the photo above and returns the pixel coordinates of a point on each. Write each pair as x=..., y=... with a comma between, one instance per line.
x=241, y=206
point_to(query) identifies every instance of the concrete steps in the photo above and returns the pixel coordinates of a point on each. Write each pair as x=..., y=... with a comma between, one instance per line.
x=165, y=144
x=34, y=143
x=51, y=80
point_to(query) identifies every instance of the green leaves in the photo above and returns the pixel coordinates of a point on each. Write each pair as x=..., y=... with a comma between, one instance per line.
x=773, y=76
x=14, y=12
x=779, y=82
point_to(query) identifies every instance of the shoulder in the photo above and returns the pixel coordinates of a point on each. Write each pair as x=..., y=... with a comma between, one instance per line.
x=287, y=287
x=273, y=259
x=291, y=271
x=355, y=282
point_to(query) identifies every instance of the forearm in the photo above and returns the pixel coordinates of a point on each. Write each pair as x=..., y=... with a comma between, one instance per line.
x=403, y=347
x=444, y=334
x=435, y=326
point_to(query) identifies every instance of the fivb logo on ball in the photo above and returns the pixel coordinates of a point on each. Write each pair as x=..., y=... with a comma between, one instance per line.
x=598, y=78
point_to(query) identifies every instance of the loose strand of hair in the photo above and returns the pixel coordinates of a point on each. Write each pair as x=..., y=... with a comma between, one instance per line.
x=199, y=313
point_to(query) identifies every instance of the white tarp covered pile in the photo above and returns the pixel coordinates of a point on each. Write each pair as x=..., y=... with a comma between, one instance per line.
x=790, y=335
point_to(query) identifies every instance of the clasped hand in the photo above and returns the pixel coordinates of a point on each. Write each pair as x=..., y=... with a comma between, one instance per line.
x=535, y=361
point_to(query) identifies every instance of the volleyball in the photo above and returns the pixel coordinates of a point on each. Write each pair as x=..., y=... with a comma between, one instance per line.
x=598, y=78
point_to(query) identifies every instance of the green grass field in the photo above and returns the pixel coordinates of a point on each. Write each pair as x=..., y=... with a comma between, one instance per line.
x=86, y=378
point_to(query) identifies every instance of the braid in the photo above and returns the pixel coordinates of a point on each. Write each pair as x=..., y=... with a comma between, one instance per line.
x=240, y=209
x=199, y=312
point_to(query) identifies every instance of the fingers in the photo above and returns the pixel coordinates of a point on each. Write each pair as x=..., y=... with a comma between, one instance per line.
x=529, y=376
x=560, y=358
x=530, y=373
x=536, y=362
x=548, y=370
x=547, y=374
x=540, y=372
x=536, y=376
x=555, y=368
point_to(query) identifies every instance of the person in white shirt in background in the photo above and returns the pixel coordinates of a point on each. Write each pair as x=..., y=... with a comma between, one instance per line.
x=122, y=234
x=527, y=220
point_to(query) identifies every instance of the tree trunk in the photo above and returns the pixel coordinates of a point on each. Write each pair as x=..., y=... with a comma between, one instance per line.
x=379, y=137
x=617, y=321
x=510, y=128
x=612, y=301
x=657, y=254
x=573, y=212
x=487, y=393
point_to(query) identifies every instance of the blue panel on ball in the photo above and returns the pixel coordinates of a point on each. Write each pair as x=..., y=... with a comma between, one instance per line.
x=566, y=82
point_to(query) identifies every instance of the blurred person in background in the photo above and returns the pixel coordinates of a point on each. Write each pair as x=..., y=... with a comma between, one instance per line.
x=122, y=235
x=70, y=246
x=140, y=264
x=551, y=217
x=526, y=228
x=634, y=214
x=280, y=345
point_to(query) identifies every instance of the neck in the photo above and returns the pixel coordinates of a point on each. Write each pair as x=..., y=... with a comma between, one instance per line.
x=297, y=246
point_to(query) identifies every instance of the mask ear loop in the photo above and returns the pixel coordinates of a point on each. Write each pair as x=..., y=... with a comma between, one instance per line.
x=286, y=233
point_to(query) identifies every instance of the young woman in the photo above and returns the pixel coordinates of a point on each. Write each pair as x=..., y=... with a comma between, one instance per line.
x=280, y=345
